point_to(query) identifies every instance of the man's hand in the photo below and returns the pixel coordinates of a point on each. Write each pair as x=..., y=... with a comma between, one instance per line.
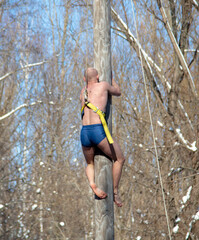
x=116, y=86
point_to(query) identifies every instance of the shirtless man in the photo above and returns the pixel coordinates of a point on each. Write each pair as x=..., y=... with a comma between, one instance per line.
x=93, y=135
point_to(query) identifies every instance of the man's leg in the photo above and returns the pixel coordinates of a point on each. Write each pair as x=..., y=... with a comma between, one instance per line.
x=114, y=152
x=89, y=153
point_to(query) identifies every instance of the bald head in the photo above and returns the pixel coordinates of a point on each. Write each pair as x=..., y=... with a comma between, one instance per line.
x=90, y=74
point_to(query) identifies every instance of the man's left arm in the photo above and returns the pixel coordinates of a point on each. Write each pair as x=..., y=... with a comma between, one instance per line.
x=114, y=89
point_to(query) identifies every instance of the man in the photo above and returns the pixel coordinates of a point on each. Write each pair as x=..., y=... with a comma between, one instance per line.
x=93, y=135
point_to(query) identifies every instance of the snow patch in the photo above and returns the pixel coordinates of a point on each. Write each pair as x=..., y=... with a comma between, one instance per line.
x=181, y=136
x=138, y=238
x=175, y=229
x=160, y=124
x=187, y=196
x=196, y=217
x=193, y=145
x=176, y=144
x=34, y=206
x=62, y=224
x=38, y=190
x=172, y=171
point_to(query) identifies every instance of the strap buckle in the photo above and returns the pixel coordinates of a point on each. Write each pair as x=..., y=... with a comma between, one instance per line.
x=96, y=110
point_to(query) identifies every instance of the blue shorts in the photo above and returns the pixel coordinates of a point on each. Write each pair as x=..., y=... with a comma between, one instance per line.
x=92, y=135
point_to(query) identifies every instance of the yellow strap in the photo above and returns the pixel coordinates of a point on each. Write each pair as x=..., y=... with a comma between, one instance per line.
x=102, y=118
x=83, y=108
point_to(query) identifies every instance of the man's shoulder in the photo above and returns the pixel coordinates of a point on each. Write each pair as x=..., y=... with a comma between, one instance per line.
x=83, y=89
x=104, y=84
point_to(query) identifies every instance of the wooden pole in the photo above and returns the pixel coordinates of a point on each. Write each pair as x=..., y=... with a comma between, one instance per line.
x=104, y=210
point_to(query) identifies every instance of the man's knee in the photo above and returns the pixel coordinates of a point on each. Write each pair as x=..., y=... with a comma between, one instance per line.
x=121, y=160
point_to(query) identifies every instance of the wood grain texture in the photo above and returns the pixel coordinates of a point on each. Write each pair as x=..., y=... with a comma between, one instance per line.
x=104, y=210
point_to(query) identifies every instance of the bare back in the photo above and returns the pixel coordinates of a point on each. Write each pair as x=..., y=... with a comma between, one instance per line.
x=98, y=96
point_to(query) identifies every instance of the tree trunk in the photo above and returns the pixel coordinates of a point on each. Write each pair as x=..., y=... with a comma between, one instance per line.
x=104, y=211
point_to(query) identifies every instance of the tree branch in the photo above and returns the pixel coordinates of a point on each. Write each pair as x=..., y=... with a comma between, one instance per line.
x=148, y=64
x=136, y=45
x=195, y=4
x=176, y=47
x=25, y=66
x=17, y=109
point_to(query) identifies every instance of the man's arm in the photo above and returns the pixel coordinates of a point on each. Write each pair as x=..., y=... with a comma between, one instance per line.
x=114, y=89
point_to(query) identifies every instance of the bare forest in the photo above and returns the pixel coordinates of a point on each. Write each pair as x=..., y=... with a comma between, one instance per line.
x=45, y=47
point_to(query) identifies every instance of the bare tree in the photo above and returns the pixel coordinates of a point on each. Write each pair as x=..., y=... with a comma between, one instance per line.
x=174, y=126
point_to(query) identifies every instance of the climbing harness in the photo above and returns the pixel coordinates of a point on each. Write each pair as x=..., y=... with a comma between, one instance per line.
x=102, y=118
x=98, y=111
x=153, y=135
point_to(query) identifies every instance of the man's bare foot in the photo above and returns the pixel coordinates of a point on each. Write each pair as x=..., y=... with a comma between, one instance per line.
x=117, y=200
x=101, y=194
